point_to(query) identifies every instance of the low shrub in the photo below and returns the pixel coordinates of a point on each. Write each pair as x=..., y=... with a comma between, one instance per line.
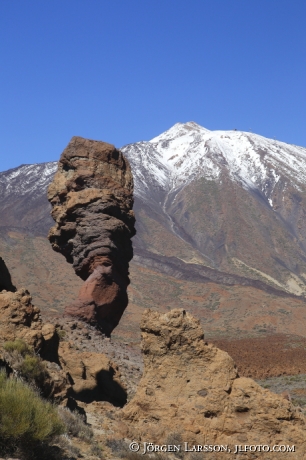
x=75, y=425
x=118, y=447
x=22, y=359
x=32, y=369
x=61, y=334
x=65, y=444
x=96, y=450
x=18, y=346
x=25, y=418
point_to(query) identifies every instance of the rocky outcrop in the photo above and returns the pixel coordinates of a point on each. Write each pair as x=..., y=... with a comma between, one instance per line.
x=92, y=198
x=193, y=388
x=68, y=374
x=19, y=318
x=93, y=377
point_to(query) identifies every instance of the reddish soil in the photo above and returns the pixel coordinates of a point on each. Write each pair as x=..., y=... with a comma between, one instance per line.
x=270, y=356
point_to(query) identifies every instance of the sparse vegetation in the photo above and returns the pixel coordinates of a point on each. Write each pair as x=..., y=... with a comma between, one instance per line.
x=118, y=447
x=61, y=334
x=75, y=425
x=18, y=346
x=25, y=418
x=95, y=449
x=32, y=368
x=293, y=384
x=65, y=444
x=23, y=359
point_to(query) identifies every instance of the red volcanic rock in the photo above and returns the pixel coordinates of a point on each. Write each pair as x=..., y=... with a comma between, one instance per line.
x=105, y=288
x=92, y=198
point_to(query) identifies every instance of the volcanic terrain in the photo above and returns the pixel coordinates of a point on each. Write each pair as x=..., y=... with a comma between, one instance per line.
x=220, y=220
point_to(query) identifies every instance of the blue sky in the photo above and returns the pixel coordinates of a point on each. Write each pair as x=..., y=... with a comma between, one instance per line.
x=126, y=70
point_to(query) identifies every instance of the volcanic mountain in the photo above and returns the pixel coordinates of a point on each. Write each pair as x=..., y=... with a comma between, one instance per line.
x=220, y=218
x=235, y=199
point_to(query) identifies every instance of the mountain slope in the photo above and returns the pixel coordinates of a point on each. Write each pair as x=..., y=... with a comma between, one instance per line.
x=238, y=199
x=23, y=202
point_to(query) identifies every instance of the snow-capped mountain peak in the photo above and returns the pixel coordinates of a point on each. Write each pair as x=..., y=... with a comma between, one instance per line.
x=186, y=151
x=180, y=130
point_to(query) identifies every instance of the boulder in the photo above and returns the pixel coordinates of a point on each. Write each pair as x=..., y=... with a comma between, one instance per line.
x=92, y=199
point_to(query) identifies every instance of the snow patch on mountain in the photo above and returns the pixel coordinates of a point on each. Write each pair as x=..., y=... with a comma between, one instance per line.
x=187, y=151
x=30, y=179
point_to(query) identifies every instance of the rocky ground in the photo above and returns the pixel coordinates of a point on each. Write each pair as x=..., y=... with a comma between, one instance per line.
x=262, y=357
x=276, y=360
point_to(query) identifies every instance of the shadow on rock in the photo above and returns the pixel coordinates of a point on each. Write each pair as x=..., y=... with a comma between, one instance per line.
x=5, y=278
x=106, y=389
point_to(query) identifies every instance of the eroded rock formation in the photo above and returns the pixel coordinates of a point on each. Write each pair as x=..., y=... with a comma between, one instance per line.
x=192, y=388
x=69, y=374
x=20, y=319
x=92, y=199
